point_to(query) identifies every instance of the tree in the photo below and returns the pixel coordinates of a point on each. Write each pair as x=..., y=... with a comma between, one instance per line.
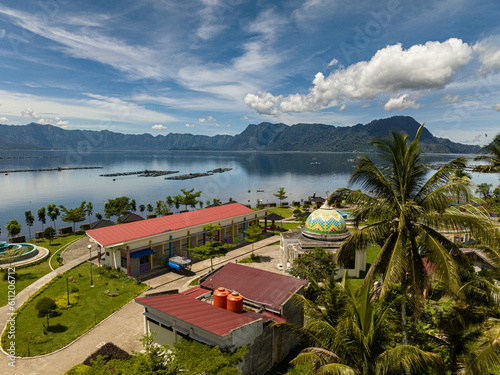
x=150, y=208
x=161, y=208
x=46, y=307
x=281, y=194
x=133, y=205
x=405, y=209
x=53, y=213
x=484, y=190
x=98, y=216
x=170, y=202
x=30, y=220
x=460, y=175
x=211, y=249
x=315, y=264
x=13, y=227
x=492, y=160
x=189, y=198
x=200, y=203
x=42, y=216
x=49, y=233
x=142, y=208
x=117, y=207
x=89, y=209
x=352, y=333
x=254, y=233
x=74, y=215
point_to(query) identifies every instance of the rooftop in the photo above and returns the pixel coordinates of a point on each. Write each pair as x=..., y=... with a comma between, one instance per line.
x=200, y=314
x=139, y=229
x=266, y=288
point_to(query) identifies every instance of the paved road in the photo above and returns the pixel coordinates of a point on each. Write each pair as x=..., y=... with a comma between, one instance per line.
x=125, y=326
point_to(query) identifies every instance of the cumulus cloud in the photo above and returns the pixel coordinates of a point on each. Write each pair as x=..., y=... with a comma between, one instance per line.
x=333, y=62
x=190, y=125
x=159, y=127
x=208, y=119
x=55, y=121
x=400, y=103
x=391, y=70
x=488, y=51
x=4, y=119
x=244, y=118
x=496, y=107
x=29, y=113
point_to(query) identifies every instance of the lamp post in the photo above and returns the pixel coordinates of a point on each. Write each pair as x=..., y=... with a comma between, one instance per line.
x=90, y=262
x=67, y=290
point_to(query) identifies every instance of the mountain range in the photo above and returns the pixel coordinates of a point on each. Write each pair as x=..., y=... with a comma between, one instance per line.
x=264, y=136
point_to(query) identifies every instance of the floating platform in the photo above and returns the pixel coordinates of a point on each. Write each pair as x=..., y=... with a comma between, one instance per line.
x=144, y=173
x=59, y=169
x=190, y=176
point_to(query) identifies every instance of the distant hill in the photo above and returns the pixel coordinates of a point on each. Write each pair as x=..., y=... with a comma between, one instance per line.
x=264, y=136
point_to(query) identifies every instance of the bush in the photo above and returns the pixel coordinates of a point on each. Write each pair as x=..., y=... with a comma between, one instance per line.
x=110, y=293
x=108, y=352
x=62, y=301
x=74, y=289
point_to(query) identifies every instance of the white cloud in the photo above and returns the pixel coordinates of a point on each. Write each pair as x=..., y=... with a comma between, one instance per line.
x=228, y=125
x=342, y=107
x=488, y=51
x=190, y=125
x=208, y=119
x=4, y=119
x=400, y=103
x=217, y=125
x=449, y=98
x=29, y=113
x=496, y=107
x=333, y=62
x=244, y=118
x=391, y=70
x=159, y=127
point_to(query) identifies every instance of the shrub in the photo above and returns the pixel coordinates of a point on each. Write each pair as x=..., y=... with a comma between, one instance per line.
x=110, y=293
x=74, y=289
x=62, y=301
x=108, y=352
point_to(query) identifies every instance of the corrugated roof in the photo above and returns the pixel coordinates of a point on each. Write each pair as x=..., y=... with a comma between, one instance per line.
x=139, y=229
x=267, y=288
x=200, y=314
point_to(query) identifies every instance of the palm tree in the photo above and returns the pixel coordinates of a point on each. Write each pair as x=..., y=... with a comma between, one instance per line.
x=461, y=175
x=352, y=333
x=403, y=216
x=492, y=160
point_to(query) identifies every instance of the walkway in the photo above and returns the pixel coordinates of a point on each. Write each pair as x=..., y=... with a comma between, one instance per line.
x=125, y=327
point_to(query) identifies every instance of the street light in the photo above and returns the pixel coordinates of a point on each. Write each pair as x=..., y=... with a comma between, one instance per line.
x=90, y=262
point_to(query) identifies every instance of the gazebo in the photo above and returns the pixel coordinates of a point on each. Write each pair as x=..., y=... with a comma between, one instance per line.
x=273, y=217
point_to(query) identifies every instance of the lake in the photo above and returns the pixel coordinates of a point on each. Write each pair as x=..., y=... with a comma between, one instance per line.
x=251, y=172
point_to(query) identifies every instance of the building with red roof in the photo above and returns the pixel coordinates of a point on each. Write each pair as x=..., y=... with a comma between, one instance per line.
x=198, y=314
x=140, y=246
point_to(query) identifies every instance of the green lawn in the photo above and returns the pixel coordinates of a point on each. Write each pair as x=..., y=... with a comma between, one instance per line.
x=93, y=306
x=285, y=212
x=371, y=254
x=27, y=275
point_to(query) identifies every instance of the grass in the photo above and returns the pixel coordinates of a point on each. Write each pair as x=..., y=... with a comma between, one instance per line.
x=27, y=275
x=274, y=243
x=251, y=259
x=371, y=254
x=285, y=212
x=194, y=281
x=33, y=338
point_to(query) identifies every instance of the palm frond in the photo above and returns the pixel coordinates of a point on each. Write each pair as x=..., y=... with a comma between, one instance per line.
x=407, y=357
x=440, y=177
x=487, y=357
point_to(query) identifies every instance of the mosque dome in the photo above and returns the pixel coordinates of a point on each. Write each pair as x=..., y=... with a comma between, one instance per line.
x=325, y=222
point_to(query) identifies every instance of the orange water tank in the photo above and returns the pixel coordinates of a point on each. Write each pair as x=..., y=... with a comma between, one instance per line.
x=235, y=302
x=220, y=297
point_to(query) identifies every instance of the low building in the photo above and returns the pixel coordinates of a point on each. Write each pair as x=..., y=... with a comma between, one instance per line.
x=326, y=228
x=140, y=246
x=199, y=314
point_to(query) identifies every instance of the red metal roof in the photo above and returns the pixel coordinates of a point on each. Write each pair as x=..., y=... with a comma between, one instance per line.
x=200, y=314
x=131, y=231
x=267, y=288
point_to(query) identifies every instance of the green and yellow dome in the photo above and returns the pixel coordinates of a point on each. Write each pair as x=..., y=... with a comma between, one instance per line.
x=325, y=220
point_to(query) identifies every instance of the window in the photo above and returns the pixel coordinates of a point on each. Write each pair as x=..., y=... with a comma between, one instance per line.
x=144, y=259
x=124, y=262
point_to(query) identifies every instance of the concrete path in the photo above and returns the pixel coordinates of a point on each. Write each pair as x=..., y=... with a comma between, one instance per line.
x=125, y=327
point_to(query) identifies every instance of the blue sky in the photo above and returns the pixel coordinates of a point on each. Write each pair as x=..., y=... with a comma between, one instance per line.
x=214, y=66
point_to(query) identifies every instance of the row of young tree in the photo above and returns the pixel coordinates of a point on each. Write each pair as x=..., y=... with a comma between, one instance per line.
x=432, y=314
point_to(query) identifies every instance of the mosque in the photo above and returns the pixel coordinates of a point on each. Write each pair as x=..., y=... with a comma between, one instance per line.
x=326, y=228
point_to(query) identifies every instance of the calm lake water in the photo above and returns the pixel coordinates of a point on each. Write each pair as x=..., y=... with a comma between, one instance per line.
x=251, y=171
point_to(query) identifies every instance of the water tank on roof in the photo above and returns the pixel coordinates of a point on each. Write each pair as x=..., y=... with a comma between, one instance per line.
x=220, y=297
x=235, y=303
